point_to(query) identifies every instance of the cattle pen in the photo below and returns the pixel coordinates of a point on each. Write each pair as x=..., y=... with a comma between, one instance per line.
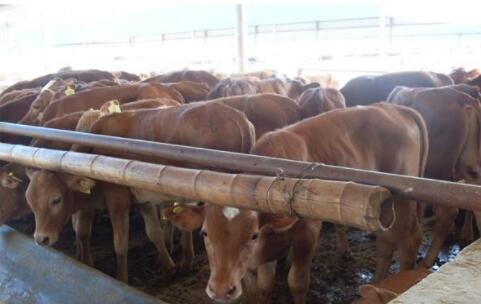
x=249, y=152
x=280, y=193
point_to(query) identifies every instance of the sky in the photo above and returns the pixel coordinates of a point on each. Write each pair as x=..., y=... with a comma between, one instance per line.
x=118, y=21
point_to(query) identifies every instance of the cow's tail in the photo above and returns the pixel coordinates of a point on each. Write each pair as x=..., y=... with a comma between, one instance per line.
x=424, y=139
x=246, y=131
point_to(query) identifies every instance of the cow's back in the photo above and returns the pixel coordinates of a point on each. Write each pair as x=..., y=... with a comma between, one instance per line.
x=267, y=112
x=96, y=97
x=186, y=75
x=365, y=90
x=82, y=75
x=378, y=137
x=206, y=125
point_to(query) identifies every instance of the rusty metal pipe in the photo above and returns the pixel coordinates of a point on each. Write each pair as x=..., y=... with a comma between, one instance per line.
x=445, y=193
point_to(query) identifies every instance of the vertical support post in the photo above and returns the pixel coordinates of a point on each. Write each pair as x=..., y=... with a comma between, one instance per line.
x=241, y=38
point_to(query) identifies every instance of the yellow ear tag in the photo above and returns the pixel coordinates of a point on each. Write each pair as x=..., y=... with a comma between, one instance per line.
x=114, y=106
x=69, y=91
x=13, y=177
x=84, y=188
x=178, y=209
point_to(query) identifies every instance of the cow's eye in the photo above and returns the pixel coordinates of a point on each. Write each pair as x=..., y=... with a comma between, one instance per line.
x=56, y=201
x=255, y=236
x=203, y=234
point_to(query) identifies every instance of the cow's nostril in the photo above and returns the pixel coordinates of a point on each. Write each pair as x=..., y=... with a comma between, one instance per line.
x=231, y=291
x=43, y=241
x=210, y=288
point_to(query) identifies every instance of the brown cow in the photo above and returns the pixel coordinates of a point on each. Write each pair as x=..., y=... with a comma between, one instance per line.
x=355, y=137
x=267, y=112
x=366, y=90
x=453, y=122
x=391, y=287
x=209, y=125
x=16, y=95
x=186, y=75
x=251, y=85
x=319, y=100
x=94, y=98
x=82, y=75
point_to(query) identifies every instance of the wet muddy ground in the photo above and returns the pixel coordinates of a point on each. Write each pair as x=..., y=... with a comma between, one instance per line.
x=334, y=278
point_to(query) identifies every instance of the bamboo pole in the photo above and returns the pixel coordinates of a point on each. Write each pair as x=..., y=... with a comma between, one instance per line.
x=339, y=202
x=457, y=195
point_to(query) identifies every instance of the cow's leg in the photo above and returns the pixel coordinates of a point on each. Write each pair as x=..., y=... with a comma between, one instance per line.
x=342, y=245
x=167, y=227
x=265, y=281
x=303, y=249
x=156, y=235
x=477, y=217
x=409, y=243
x=168, y=230
x=444, y=221
x=117, y=199
x=384, y=251
x=187, y=244
x=82, y=224
x=467, y=234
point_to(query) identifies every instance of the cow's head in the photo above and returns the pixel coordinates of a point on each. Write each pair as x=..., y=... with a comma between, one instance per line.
x=295, y=88
x=234, y=239
x=52, y=202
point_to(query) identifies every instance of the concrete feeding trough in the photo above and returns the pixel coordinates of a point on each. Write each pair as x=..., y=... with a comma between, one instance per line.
x=41, y=275
x=456, y=282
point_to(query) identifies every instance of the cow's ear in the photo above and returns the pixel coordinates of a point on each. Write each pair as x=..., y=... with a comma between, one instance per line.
x=78, y=183
x=373, y=294
x=185, y=217
x=276, y=223
x=311, y=85
x=31, y=171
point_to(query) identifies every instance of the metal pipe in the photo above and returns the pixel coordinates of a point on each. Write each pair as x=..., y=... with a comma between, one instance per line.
x=241, y=30
x=446, y=193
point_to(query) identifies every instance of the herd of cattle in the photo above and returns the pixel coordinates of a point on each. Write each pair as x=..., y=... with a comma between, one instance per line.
x=412, y=123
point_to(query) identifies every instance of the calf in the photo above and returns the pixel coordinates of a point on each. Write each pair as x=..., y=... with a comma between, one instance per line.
x=209, y=125
x=238, y=240
x=453, y=122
